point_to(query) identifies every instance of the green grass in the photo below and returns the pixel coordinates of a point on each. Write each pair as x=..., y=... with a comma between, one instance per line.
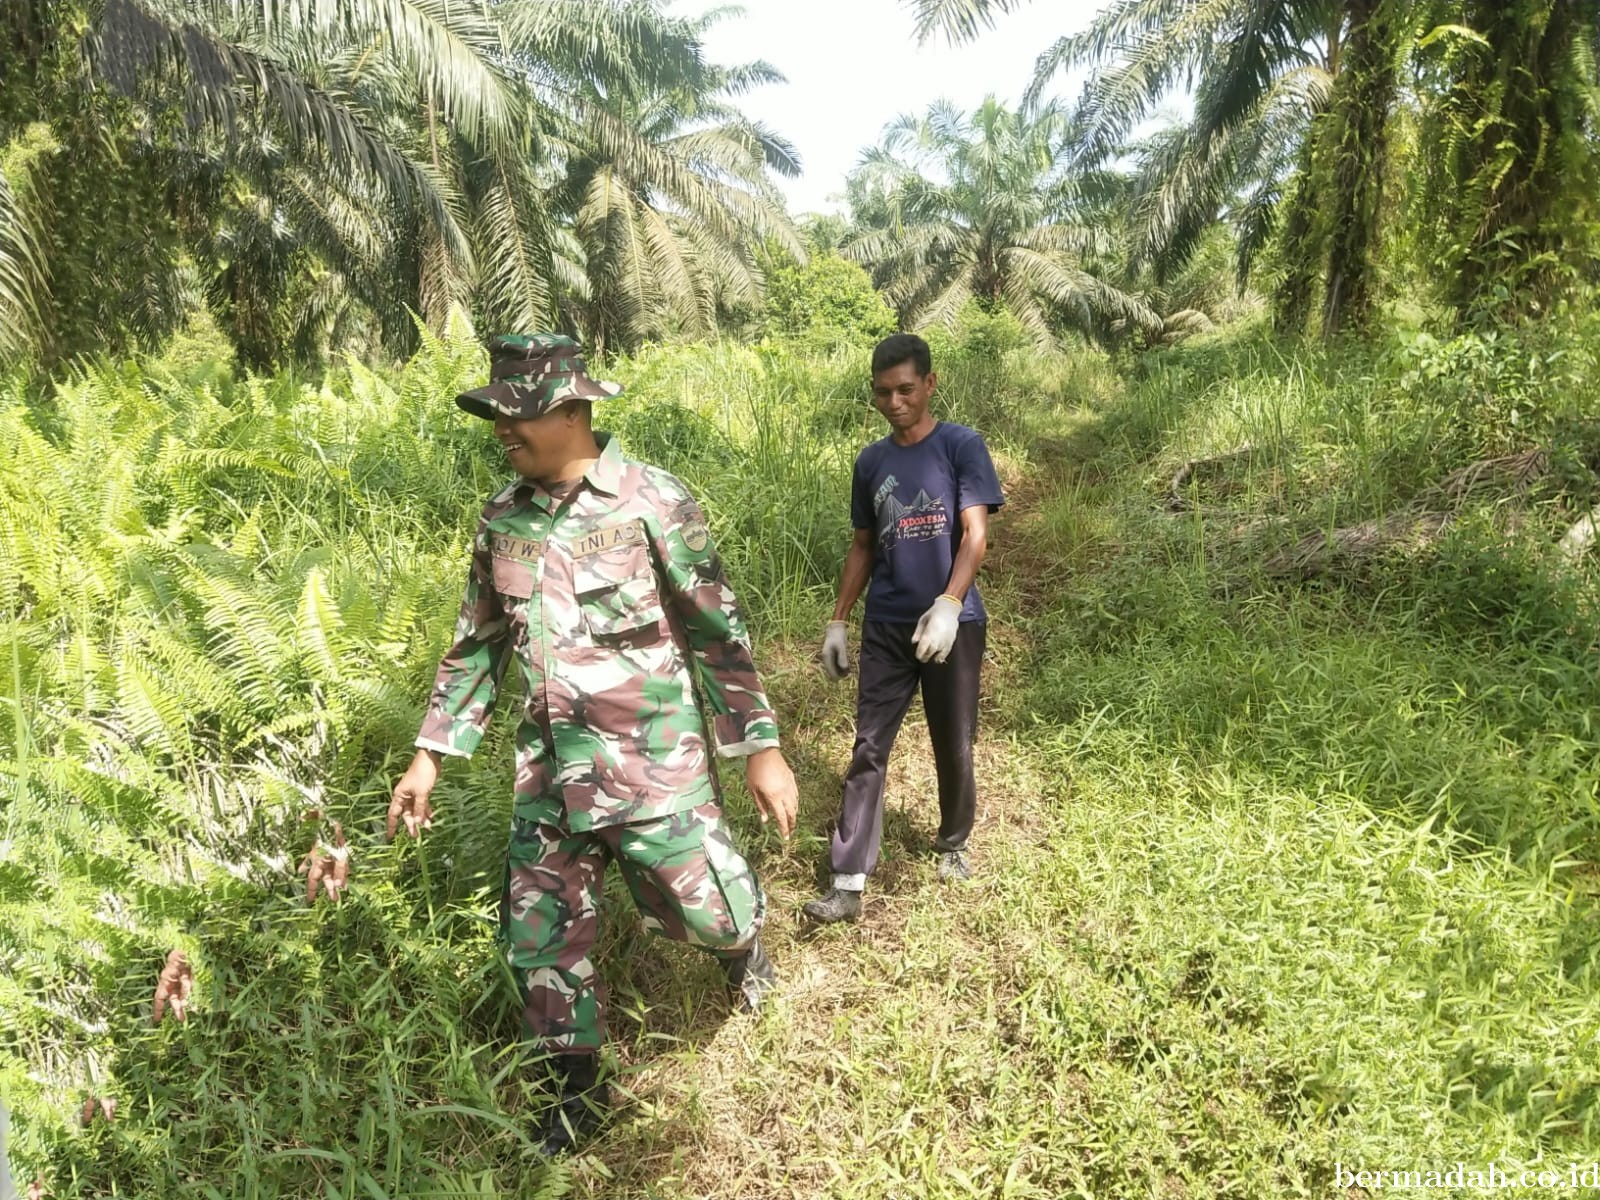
x=1270, y=876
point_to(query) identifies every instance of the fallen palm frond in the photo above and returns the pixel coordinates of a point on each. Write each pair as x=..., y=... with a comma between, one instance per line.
x=1187, y=474
x=1419, y=524
x=1412, y=527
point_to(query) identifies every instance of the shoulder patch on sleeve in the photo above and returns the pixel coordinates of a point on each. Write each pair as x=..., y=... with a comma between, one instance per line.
x=690, y=521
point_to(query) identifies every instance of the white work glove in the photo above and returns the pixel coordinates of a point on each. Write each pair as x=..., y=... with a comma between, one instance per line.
x=836, y=651
x=936, y=632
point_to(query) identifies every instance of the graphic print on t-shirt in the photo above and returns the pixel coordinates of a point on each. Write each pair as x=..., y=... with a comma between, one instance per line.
x=924, y=518
x=911, y=499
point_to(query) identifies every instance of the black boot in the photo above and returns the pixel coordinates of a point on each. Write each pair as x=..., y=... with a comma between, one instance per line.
x=837, y=905
x=751, y=977
x=579, y=1103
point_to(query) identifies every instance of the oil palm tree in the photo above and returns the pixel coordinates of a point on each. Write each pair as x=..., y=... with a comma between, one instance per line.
x=319, y=160
x=671, y=196
x=1263, y=72
x=982, y=206
x=169, y=89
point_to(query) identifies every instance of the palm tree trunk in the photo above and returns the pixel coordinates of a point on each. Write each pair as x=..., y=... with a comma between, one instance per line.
x=1363, y=95
x=1291, y=302
x=29, y=31
x=1524, y=174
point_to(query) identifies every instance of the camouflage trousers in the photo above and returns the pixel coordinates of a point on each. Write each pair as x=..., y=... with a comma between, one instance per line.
x=686, y=878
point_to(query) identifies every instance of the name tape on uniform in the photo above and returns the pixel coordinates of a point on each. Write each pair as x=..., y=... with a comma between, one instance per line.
x=601, y=540
x=506, y=545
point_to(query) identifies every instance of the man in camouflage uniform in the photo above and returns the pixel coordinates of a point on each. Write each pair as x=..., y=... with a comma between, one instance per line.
x=597, y=575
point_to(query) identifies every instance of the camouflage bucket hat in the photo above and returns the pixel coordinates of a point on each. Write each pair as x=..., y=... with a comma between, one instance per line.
x=529, y=374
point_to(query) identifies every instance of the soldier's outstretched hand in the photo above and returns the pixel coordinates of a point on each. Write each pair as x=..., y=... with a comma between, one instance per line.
x=173, y=986
x=338, y=876
x=313, y=866
x=410, y=801
x=772, y=786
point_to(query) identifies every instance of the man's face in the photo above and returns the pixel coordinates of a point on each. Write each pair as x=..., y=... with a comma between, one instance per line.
x=902, y=395
x=535, y=448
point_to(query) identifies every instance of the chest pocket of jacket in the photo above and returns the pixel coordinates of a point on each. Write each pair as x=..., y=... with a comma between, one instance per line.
x=615, y=582
x=513, y=578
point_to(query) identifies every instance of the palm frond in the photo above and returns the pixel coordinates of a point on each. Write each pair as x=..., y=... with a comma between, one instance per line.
x=634, y=47
x=220, y=77
x=958, y=20
x=1146, y=64
x=955, y=290
x=451, y=50
x=1256, y=220
x=739, y=79
x=22, y=275
x=515, y=280
x=1266, y=41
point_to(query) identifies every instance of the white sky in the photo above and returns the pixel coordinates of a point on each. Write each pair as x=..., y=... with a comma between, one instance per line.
x=854, y=65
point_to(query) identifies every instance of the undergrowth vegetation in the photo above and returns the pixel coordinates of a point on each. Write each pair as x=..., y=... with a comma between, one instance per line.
x=1275, y=870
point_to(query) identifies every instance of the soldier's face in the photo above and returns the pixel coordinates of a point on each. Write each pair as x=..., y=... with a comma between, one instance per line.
x=536, y=447
x=902, y=395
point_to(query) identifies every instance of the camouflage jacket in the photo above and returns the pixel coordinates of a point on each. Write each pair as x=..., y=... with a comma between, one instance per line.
x=614, y=604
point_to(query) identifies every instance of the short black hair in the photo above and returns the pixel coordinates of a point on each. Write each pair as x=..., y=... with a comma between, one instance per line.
x=902, y=347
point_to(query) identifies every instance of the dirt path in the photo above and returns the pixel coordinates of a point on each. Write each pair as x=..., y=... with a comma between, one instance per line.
x=747, y=1110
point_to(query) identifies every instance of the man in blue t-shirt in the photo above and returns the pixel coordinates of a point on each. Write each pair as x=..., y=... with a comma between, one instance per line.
x=920, y=503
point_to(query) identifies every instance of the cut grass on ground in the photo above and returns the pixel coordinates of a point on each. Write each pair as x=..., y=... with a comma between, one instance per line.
x=1270, y=877
x=1194, y=961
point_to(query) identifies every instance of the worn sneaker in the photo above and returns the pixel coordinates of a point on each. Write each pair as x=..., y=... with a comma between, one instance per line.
x=751, y=977
x=837, y=905
x=581, y=1101
x=953, y=866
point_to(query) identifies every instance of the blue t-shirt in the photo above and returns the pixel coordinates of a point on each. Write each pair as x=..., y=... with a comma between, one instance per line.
x=912, y=497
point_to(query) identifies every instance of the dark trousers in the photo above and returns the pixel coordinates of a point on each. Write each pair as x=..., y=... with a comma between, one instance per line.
x=890, y=676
